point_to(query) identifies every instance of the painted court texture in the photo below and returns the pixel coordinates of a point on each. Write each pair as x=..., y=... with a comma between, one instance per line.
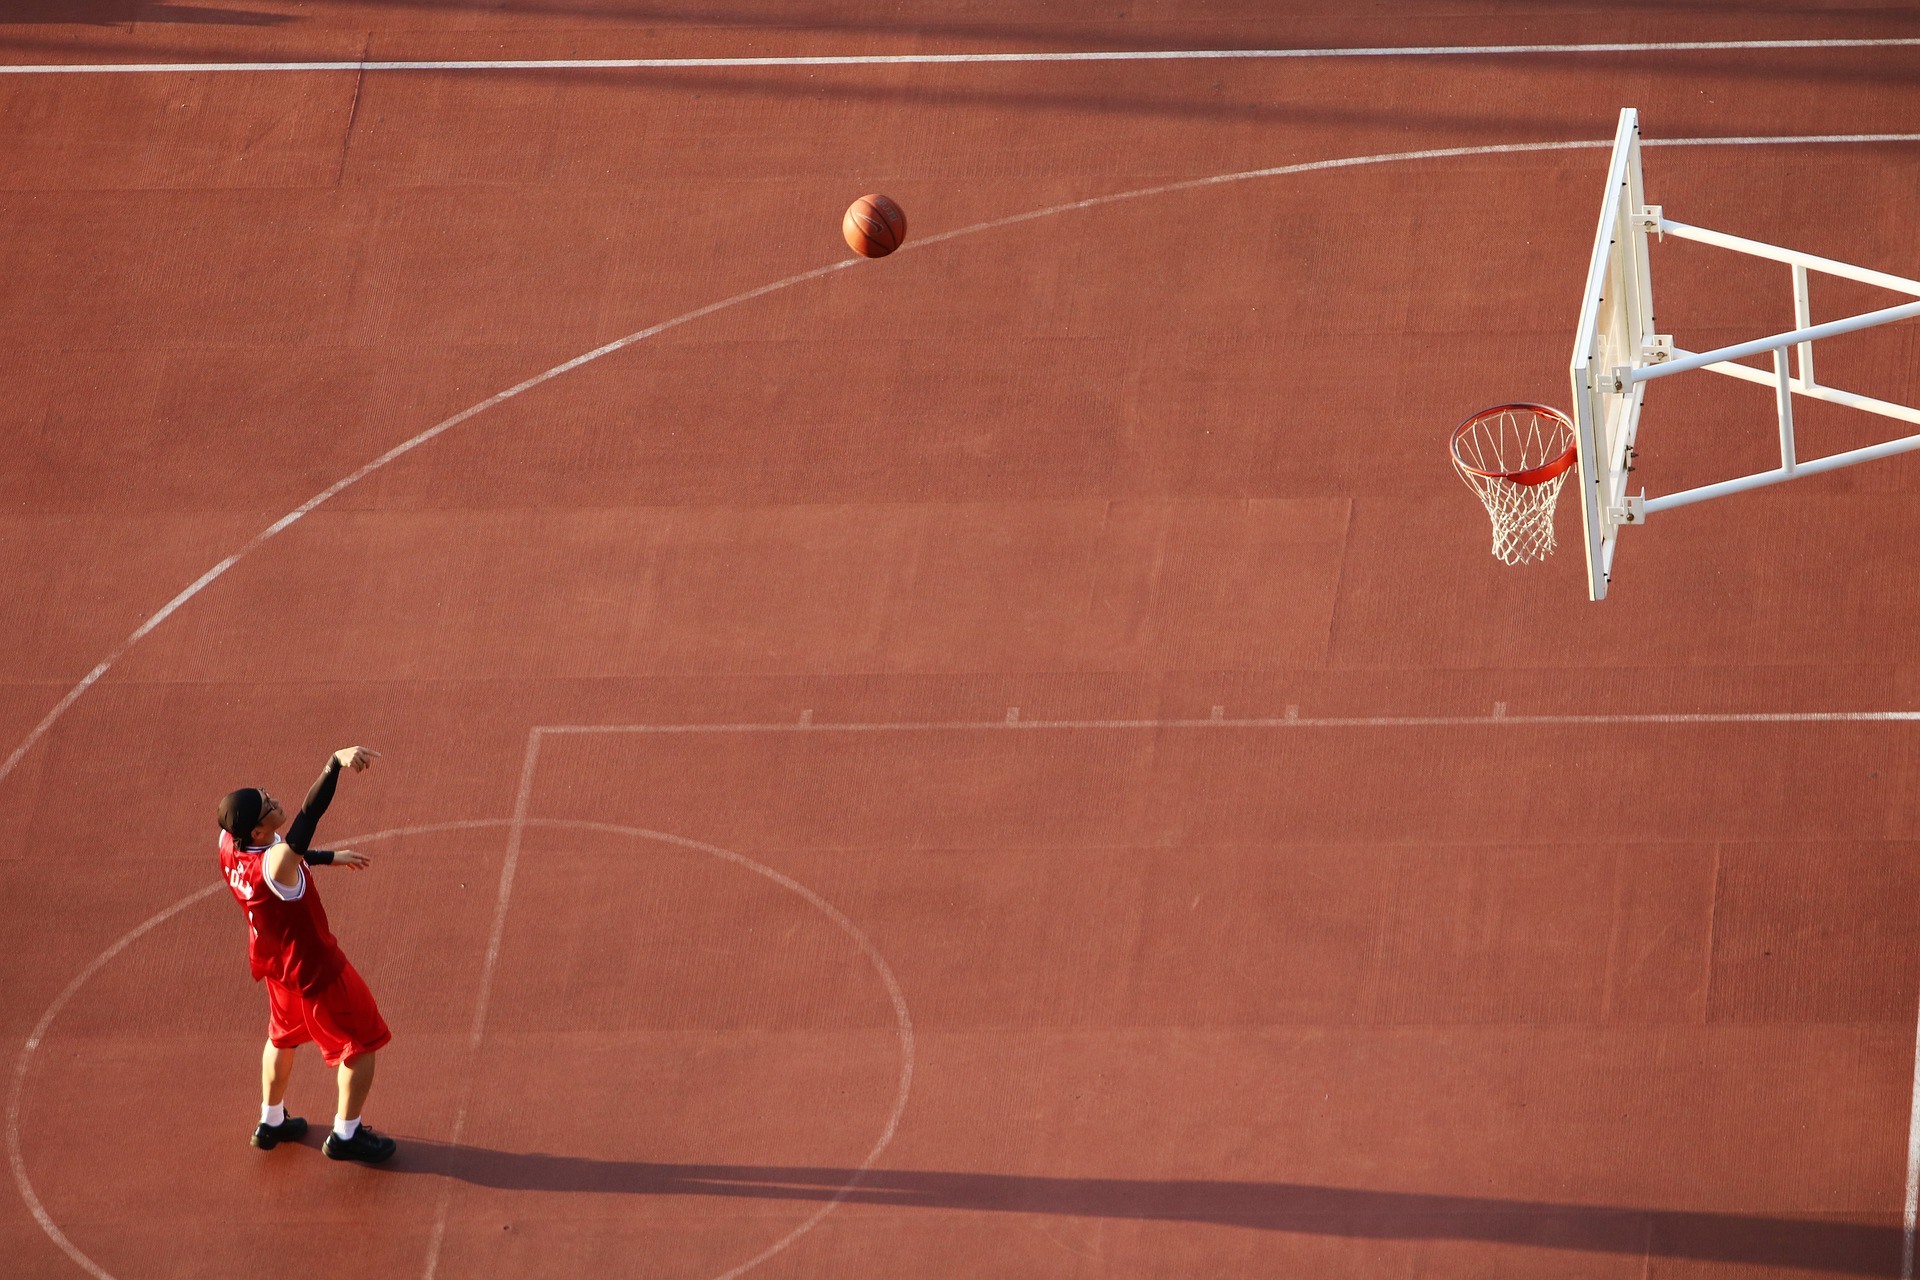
x=1012, y=759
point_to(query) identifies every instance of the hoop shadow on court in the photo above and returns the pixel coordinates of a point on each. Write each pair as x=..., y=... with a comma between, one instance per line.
x=1812, y=1244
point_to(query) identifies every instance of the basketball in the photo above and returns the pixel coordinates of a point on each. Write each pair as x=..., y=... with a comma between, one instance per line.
x=874, y=226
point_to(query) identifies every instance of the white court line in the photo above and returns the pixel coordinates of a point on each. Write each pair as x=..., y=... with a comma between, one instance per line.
x=1499, y=718
x=1912, y=1213
x=516, y=829
x=1392, y=157
x=40, y=730
x=965, y=59
x=903, y=1023
x=1014, y=723
x=405, y=447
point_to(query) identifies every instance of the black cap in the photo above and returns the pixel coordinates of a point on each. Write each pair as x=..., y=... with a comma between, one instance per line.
x=240, y=812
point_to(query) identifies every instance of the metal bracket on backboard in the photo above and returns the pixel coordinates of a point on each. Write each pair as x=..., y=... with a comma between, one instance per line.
x=1649, y=219
x=1633, y=512
x=1656, y=349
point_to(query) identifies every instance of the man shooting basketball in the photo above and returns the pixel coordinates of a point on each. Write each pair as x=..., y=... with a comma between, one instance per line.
x=312, y=992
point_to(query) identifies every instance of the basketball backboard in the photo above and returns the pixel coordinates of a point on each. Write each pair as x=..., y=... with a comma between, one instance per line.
x=1616, y=353
x=1616, y=332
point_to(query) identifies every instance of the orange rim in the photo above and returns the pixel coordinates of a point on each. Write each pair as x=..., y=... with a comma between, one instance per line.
x=1532, y=475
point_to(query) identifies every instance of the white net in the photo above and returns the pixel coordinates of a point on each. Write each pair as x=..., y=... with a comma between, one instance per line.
x=1516, y=457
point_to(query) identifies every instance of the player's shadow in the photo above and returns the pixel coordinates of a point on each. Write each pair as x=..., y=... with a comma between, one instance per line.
x=1810, y=1244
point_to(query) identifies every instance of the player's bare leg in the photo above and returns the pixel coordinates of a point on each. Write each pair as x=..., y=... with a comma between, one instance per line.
x=351, y=1140
x=276, y=1126
x=356, y=1079
x=276, y=1068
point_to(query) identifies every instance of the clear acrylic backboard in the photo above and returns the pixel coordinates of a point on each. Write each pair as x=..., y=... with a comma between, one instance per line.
x=1616, y=332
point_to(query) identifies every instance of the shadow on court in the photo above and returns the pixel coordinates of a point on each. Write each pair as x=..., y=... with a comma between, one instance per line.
x=1845, y=1248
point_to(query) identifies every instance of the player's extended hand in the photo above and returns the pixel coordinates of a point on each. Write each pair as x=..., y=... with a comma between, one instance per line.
x=348, y=858
x=355, y=758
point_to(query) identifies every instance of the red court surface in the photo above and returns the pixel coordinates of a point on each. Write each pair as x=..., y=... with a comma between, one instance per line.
x=1006, y=760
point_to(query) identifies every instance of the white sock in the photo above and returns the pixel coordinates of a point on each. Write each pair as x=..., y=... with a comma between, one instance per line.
x=345, y=1129
x=275, y=1115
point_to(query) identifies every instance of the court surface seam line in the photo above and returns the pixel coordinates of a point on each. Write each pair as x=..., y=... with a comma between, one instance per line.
x=962, y=59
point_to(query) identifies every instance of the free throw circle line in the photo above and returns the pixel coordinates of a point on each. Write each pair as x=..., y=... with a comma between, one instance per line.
x=14, y=1157
x=903, y=1020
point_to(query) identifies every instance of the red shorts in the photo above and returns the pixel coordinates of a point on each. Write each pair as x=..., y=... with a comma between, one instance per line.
x=342, y=1018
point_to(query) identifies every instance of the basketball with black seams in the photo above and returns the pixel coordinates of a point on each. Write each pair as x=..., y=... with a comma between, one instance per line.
x=874, y=226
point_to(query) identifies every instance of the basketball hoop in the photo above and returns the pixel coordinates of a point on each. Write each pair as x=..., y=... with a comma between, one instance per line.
x=1516, y=457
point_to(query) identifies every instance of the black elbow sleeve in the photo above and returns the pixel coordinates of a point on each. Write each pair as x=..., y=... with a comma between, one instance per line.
x=300, y=831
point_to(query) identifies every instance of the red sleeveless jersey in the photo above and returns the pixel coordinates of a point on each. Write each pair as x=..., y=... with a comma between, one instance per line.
x=286, y=941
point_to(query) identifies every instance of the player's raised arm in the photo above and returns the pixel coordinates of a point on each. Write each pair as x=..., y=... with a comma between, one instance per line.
x=300, y=834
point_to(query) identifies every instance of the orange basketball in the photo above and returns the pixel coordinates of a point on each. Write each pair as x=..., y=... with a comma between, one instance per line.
x=874, y=226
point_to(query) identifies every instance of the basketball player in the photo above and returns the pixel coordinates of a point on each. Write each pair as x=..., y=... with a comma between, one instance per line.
x=312, y=992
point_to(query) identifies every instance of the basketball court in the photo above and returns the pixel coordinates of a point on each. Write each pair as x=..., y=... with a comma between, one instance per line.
x=1009, y=758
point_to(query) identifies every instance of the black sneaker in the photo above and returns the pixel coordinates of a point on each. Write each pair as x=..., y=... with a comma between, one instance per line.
x=269, y=1136
x=365, y=1145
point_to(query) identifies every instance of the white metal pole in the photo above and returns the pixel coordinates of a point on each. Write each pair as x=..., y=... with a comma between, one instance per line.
x=1783, y=398
x=1885, y=315
x=1832, y=395
x=1760, y=249
x=1832, y=462
x=1803, y=319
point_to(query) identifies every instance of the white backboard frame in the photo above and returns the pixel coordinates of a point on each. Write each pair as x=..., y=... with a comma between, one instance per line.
x=1616, y=330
